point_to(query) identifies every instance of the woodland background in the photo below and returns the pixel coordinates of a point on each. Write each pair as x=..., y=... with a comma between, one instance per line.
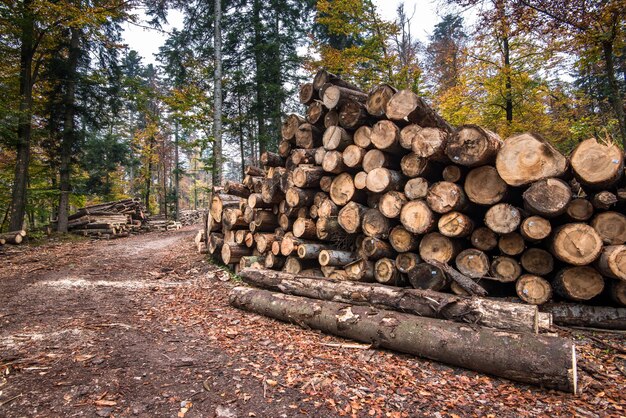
x=83, y=120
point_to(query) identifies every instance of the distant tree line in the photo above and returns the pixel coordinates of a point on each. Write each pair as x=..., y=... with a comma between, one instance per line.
x=84, y=120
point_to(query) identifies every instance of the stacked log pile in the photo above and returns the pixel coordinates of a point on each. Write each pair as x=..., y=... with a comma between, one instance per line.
x=191, y=217
x=161, y=223
x=12, y=237
x=387, y=223
x=379, y=188
x=108, y=220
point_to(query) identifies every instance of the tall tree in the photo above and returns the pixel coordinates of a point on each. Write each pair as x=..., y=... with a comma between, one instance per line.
x=217, y=95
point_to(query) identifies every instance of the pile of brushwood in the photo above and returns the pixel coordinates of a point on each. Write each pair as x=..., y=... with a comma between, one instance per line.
x=377, y=187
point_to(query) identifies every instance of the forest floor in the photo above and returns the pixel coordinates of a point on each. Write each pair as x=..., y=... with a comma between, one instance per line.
x=141, y=326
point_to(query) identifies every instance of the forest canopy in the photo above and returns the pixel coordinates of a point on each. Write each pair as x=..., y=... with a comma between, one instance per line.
x=85, y=120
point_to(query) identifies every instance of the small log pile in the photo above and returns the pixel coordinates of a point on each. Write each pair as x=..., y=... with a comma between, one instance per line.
x=108, y=220
x=191, y=217
x=12, y=237
x=377, y=187
x=161, y=223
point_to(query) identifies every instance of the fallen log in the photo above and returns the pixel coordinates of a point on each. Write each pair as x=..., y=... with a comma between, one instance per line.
x=535, y=359
x=577, y=315
x=472, y=310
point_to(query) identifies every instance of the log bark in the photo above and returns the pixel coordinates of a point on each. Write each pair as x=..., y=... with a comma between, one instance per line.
x=473, y=146
x=578, y=283
x=232, y=253
x=545, y=361
x=236, y=189
x=484, y=186
x=604, y=200
x=444, y=197
x=483, y=312
x=360, y=271
x=612, y=262
x=323, y=77
x=335, y=96
x=526, y=158
x=336, y=257
x=297, y=197
x=270, y=159
x=311, y=251
x=417, y=217
x=571, y=314
x=597, y=165
x=548, y=198
x=537, y=261
x=611, y=226
x=577, y=244
x=503, y=218
x=533, y=289
x=407, y=106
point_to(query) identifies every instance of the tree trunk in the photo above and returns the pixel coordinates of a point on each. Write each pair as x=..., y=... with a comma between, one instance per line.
x=546, y=361
x=217, y=92
x=24, y=128
x=473, y=263
x=69, y=133
x=511, y=244
x=612, y=262
x=455, y=225
x=375, y=249
x=377, y=99
x=615, y=95
x=503, y=218
x=537, y=261
x=535, y=228
x=484, y=186
x=533, y=289
x=416, y=188
x=505, y=269
x=444, y=197
x=417, y=217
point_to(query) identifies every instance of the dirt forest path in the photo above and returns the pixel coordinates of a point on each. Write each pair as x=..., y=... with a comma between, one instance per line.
x=142, y=327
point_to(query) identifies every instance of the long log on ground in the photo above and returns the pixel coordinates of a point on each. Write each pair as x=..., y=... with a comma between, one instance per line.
x=479, y=311
x=541, y=360
x=572, y=314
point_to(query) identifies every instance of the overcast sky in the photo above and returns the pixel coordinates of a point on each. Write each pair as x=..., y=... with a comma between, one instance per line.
x=147, y=41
